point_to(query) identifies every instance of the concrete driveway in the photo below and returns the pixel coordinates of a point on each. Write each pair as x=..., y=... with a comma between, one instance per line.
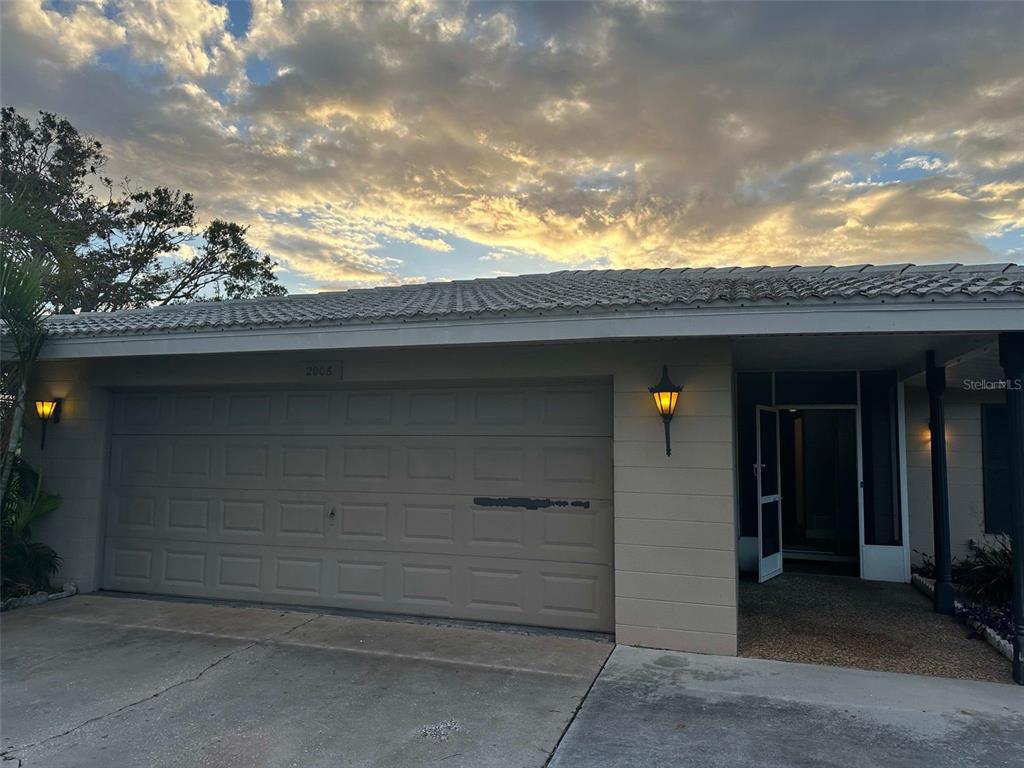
x=109, y=681
x=654, y=708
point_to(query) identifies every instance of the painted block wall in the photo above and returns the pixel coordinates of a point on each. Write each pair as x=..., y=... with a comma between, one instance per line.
x=964, y=467
x=675, y=559
x=73, y=464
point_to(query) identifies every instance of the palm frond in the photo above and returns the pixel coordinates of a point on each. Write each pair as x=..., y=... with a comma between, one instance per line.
x=27, y=229
x=23, y=303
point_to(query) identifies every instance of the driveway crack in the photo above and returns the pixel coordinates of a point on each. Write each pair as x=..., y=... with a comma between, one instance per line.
x=8, y=754
x=583, y=699
x=300, y=625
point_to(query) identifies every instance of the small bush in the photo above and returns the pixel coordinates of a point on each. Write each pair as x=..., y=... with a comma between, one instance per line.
x=26, y=566
x=926, y=569
x=998, y=618
x=986, y=574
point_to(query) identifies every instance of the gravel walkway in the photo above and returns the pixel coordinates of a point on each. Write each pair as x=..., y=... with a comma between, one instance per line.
x=847, y=622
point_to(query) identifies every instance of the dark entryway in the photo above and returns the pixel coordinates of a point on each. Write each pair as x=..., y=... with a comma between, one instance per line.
x=818, y=456
x=838, y=473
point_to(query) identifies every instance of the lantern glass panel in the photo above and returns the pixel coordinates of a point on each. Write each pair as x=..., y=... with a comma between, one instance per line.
x=45, y=408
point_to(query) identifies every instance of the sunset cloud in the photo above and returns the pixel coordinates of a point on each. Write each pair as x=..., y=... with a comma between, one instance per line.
x=385, y=142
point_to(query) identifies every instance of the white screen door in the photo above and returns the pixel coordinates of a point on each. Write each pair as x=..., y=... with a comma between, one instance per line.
x=769, y=497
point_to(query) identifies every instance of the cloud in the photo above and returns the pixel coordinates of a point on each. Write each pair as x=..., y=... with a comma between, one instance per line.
x=186, y=37
x=923, y=163
x=629, y=134
x=494, y=32
x=56, y=39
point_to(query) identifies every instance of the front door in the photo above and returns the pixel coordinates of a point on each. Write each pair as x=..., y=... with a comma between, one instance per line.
x=769, y=497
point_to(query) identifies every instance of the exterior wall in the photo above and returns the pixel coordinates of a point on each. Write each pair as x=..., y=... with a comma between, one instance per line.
x=963, y=457
x=675, y=560
x=675, y=535
x=72, y=464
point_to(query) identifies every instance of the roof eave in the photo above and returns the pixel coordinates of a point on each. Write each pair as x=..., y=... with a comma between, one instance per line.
x=896, y=316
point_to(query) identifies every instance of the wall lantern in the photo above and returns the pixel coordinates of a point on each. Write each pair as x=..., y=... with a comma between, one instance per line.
x=666, y=395
x=47, y=411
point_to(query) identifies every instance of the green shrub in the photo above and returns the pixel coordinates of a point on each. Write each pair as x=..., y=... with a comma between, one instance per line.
x=26, y=566
x=986, y=572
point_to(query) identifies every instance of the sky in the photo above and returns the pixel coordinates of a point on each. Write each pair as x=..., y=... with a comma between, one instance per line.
x=373, y=144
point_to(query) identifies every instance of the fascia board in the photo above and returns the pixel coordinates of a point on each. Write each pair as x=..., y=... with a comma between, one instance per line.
x=764, y=320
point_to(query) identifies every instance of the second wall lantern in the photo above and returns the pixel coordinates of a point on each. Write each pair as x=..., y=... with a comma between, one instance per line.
x=47, y=411
x=666, y=395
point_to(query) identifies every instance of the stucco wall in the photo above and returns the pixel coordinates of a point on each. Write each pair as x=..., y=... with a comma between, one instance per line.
x=675, y=577
x=963, y=458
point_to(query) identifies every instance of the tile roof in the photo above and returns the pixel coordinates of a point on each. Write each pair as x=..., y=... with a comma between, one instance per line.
x=568, y=292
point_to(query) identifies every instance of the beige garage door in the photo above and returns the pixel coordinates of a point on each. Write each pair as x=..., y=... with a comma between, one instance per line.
x=473, y=502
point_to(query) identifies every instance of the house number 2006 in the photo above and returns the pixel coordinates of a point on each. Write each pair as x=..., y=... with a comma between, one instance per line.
x=320, y=369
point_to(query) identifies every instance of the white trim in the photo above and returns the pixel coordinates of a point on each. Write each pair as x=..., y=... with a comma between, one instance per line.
x=748, y=553
x=876, y=562
x=881, y=562
x=771, y=566
x=756, y=320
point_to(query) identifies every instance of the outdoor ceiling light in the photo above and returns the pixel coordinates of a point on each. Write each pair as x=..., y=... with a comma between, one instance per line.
x=666, y=395
x=47, y=411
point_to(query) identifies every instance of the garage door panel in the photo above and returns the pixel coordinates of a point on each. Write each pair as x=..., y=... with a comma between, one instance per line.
x=141, y=412
x=188, y=516
x=491, y=466
x=571, y=409
x=298, y=577
x=242, y=518
x=243, y=463
x=191, y=461
x=137, y=460
x=423, y=524
x=238, y=571
x=361, y=581
x=429, y=411
x=520, y=591
x=541, y=529
x=133, y=513
x=184, y=566
x=130, y=565
x=191, y=411
x=491, y=503
x=364, y=521
x=572, y=597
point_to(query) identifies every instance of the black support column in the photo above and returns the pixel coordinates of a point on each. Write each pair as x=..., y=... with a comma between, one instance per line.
x=935, y=378
x=1011, y=357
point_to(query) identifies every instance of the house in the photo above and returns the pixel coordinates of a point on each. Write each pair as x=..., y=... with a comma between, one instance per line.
x=488, y=449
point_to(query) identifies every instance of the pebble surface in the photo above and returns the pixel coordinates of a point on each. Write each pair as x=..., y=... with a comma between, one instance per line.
x=847, y=622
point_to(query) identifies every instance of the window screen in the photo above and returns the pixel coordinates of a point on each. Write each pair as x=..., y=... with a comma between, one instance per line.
x=882, y=524
x=752, y=390
x=995, y=462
